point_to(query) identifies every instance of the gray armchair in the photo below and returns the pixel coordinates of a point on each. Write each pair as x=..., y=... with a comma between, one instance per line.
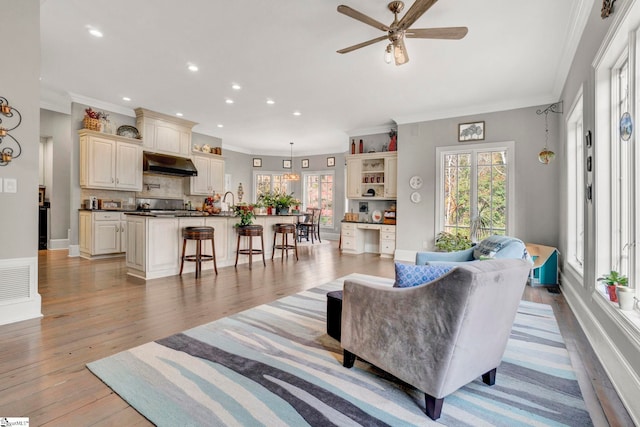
x=437, y=336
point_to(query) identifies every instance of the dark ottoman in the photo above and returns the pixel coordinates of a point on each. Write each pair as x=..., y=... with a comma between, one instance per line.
x=334, y=314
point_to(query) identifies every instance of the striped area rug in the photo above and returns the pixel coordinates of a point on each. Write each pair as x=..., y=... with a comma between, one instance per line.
x=274, y=365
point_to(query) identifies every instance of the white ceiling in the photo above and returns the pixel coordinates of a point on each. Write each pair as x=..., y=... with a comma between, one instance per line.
x=516, y=54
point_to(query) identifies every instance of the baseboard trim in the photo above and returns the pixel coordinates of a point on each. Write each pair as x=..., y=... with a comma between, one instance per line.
x=74, y=250
x=56, y=244
x=624, y=379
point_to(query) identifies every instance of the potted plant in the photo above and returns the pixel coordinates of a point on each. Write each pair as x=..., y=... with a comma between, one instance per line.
x=449, y=242
x=612, y=280
x=266, y=200
x=245, y=212
x=283, y=202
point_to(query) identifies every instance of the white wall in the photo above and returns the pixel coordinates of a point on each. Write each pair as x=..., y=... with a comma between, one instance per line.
x=615, y=342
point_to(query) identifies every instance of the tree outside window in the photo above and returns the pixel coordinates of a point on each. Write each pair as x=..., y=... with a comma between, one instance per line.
x=474, y=192
x=319, y=193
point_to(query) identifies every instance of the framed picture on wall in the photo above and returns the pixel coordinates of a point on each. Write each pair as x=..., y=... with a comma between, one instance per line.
x=257, y=163
x=471, y=131
x=331, y=161
x=286, y=164
x=305, y=163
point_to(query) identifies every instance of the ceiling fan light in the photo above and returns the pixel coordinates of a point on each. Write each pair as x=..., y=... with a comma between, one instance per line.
x=400, y=52
x=388, y=54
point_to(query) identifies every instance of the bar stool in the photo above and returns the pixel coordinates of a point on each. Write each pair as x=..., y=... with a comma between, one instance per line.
x=198, y=234
x=250, y=231
x=284, y=230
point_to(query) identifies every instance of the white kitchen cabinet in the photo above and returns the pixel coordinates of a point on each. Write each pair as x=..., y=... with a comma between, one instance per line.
x=101, y=233
x=136, y=238
x=110, y=162
x=210, y=177
x=358, y=237
x=372, y=176
x=354, y=178
x=164, y=134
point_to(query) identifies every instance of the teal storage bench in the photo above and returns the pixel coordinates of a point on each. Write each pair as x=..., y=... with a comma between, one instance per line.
x=545, y=265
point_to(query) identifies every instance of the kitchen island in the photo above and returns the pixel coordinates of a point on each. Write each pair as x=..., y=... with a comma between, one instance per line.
x=154, y=243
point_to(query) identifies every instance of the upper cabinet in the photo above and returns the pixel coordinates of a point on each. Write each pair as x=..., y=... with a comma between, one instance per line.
x=110, y=161
x=164, y=134
x=372, y=176
x=210, y=177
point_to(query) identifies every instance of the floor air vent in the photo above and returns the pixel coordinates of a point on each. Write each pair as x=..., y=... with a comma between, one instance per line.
x=15, y=283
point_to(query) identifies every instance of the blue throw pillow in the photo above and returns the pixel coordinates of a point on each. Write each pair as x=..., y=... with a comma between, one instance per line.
x=408, y=275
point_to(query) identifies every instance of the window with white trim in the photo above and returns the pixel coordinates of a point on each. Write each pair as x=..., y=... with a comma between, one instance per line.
x=575, y=186
x=319, y=192
x=475, y=189
x=616, y=181
x=264, y=182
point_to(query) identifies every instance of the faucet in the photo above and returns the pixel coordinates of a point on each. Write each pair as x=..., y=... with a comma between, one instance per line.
x=224, y=200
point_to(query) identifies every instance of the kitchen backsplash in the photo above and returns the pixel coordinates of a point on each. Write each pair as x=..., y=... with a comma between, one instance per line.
x=154, y=187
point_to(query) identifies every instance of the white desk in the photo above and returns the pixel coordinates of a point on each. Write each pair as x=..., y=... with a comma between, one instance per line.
x=361, y=237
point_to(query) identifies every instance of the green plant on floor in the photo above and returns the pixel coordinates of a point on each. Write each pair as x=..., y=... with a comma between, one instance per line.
x=449, y=242
x=245, y=213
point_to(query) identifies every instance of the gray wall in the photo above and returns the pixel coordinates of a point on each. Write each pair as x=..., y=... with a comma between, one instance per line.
x=57, y=126
x=536, y=184
x=20, y=21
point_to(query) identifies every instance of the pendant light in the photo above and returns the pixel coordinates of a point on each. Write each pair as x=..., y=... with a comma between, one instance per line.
x=545, y=156
x=291, y=176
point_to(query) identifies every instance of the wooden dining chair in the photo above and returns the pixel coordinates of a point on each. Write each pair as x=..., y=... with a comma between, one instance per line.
x=310, y=225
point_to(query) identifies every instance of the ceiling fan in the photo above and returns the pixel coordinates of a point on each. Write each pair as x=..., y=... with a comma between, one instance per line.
x=398, y=30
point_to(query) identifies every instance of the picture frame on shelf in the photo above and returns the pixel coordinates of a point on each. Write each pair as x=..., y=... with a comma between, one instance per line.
x=473, y=131
x=331, y=161
x=286, y=164
x=305, y=163
x=41, y=193
x=257, y=163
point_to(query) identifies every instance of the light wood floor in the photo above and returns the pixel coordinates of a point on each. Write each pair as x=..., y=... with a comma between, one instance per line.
x=92, y=309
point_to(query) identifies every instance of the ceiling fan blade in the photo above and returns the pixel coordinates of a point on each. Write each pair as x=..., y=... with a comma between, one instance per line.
x=400, y=52
x=363, y=44
x=415, y=11
x=452, y=33
x=359, y=16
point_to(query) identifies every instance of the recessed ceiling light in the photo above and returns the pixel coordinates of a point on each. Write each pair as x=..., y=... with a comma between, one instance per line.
x=270, y=101
x=229, y=101
x=192, y=67
x=220, y=125
x=95, y=33
x=297, y=113
x=126, y=98
x=236, y=86
x=179, y=114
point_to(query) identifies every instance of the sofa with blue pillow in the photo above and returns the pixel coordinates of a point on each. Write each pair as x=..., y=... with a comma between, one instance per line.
x=493, y=247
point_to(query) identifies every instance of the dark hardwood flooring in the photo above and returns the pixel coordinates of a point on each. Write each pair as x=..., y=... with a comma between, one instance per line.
x=92, y=309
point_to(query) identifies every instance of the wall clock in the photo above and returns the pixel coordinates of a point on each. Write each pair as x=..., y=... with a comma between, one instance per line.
x=415, y=182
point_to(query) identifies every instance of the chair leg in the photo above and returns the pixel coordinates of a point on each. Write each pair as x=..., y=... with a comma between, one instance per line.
x=273, y=247
x=262, y=244
x=295, y=245
x=434, y=406
x=348, y=359
x=198, y=257
x=213, y=250
x=237, y=251
x=184, y=246
x=490, y=377
x=251, y=251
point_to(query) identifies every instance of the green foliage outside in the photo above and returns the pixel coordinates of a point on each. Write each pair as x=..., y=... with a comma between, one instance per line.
x=448, y=242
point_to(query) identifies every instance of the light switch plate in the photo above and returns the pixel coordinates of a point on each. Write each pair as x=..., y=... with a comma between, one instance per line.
x=10, y=185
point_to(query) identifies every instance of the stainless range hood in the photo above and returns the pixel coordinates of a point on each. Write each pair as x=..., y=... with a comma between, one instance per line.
x=168, y=165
